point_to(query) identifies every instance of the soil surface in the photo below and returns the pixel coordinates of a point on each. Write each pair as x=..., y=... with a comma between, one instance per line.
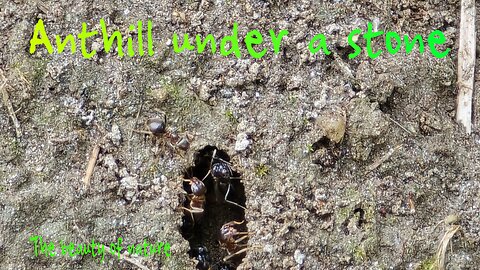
x=345, y=163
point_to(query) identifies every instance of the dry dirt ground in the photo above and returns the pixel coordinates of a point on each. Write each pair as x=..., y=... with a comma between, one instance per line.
x=383, y=197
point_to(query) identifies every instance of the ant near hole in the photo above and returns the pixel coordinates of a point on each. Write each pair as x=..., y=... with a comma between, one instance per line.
x=157, y=127
x=222, y=174
x=228, y=239
x=197, y=199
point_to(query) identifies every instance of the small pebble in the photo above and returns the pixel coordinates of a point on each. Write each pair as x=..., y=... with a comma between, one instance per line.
x=110, y=162
x=268, y=248
x=242, y=142
x=115, y=135
x=299, y=256
x=128, y=187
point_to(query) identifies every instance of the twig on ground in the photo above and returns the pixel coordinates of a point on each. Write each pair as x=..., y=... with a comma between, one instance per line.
x=91, y=166
x=466, y=64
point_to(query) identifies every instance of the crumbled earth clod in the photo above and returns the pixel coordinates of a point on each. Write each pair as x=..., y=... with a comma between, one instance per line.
x=366, y=126
x=332, y=123
x=128, y=187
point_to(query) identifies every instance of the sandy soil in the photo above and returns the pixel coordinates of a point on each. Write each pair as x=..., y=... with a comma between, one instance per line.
x=380, y=195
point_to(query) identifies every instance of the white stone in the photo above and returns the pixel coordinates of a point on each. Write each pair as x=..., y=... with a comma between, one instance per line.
x=128, y=187
x=242, y=142
x=116, y=135
x=268, y=248
x=299, y=256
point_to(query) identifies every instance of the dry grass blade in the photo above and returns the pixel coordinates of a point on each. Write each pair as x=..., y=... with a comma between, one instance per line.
x=398, y=124
x=8, y=104
x=382, y=159
x=442, y=247
x=466, y=64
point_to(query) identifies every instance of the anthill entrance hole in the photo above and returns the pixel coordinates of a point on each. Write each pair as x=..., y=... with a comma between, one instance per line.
x=203, y=232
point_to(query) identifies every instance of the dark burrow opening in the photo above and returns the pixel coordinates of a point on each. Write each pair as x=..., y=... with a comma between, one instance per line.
x=328, y=152
x=203, y=230
x=361, y=216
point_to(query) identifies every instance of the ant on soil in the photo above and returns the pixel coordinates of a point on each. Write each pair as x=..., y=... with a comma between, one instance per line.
x=158, y=128
x=227, y=239
x=197, y=198
x=222, y=173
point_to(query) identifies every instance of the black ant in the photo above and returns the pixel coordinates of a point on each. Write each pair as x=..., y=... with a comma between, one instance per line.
x=222, y=173
x=158, y=127
x=204, y=260
x=228, y=240
x=197, y=199
x=201, y=254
